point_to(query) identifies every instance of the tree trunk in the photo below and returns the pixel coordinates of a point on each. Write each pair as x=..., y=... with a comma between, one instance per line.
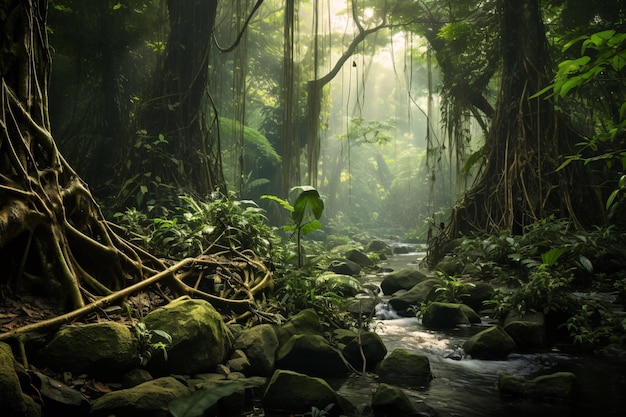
x=177, y=114
x=521, y=183
x=53, y=238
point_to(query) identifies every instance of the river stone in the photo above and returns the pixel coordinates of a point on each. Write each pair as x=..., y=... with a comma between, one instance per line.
x=374, y=351
x=149, y=399
x=344, y=285
x=292, y=392
x=304, y=322
x=260, y=345
x=560, y=385
x=491, y=343
x=404, y=279
x=199, y=337
x=402, y=363
x=345, y=267
x=528, y=331
x=311, y=355
x=13, y=402
x=446, y=315
x=358, y=257
x=103, y=350
x=379, y=246
x=478, y=294
x=403, y=302
x=450, y=266
x=389, y=400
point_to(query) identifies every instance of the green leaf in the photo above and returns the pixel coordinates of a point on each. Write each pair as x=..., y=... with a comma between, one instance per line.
x=310, y=226
x=550, y=257
x=473, y=159
x=586, y=263
x=284, y=203
x=117, y=6
x=609, y=201
x=200, y=401
x=569, y=84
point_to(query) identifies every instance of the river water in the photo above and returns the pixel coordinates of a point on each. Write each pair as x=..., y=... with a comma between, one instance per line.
x=468, y=387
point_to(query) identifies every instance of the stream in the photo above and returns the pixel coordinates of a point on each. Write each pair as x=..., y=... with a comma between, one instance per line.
x=468, y=387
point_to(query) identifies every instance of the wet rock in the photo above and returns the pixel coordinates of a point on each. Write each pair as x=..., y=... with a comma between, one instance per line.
x=311, y=355
x=478, y=294
x=135, y=377
x=403, y=302
x=345, y=267
x=405, y=279
x=304, y=322
x=200, y=339
x=491, y=343
x=560, y=385
x=260, y=345
x=402, y=363
x=359, y=257
x=14, y=403
x=104, y=350
x=239, y=362
x=446, y=315
x=149, y=399
x=528, y=331
x=379, y=246
x=389, y=400
x=343, y=285
x=373, y=349
x=451, y=266
x=292, y=392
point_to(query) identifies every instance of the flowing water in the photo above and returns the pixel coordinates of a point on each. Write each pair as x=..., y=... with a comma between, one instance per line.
x=468, y=387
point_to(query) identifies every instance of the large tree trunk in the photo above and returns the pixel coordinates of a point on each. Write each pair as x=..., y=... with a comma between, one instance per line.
x=53, y=237
x=521, y=182
x=179, y=108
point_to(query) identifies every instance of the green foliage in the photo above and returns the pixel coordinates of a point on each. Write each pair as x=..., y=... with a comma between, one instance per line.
x=146, y=346
x=198, y=226
x=198, y=403
x=305, y=213
x=452, y=289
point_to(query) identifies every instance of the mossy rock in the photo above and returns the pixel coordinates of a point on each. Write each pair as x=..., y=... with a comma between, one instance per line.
x=13, y=401
x=311, y=355
x=403, y=364
x=559, y=385
x=440, y=315
x=404, y=279
x=306, y=321
x=491, y=343
x=403, y=302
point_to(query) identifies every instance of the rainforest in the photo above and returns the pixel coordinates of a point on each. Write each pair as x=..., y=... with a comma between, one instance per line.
x=312, y=208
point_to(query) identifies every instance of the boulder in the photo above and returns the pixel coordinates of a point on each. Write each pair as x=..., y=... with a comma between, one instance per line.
x=451, y=266
x=345, y=267
x=379, y=246
x=389, y=400
x=402, y=363
x=58, y=398
x=343, y=285
x=478, y=294
x=404, y=279
x=149, y=399
x=358, y=257
x=446, y=315
x=402, y=302
x=528, y=331
x=560, y=385
x=373, y=349
x=103, y=350
x=200, y=340
x=311, y=355
x=491, y=343
x=13, y=401
x=304, y=322
x=260, y=345
x=292, y=392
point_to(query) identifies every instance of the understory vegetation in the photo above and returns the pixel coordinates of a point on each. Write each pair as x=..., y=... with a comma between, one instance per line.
x=577, y=279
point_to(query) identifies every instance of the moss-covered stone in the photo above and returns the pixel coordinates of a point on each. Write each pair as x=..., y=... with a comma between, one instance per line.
x=402, y=363
x=389, y=400
x=104, y=350
x=311, y=355
x=260, y=345
x=149, y=399
x=200, y=339
x=446, y=315
x=560, y=385
x=369, y=345
x=293, y=392
x=491, y=343
x=13, y=402
x=403, y=302
x=343, y=285
x=404, y=279
x=304, y=322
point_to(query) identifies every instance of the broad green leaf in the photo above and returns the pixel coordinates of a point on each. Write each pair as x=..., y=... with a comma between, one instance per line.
x=284, y=203
x=609, y=201
x=310, y=226
x=569, y=84
x=473, y=159
x=550, y=257
x=586, y=263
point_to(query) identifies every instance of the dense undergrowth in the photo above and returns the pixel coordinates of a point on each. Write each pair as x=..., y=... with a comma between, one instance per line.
x=577, y=278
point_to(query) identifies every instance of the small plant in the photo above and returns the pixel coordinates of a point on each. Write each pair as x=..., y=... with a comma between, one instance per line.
x=304, y=221
x=146, y=346
x=316, y=412
x=452, y=289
